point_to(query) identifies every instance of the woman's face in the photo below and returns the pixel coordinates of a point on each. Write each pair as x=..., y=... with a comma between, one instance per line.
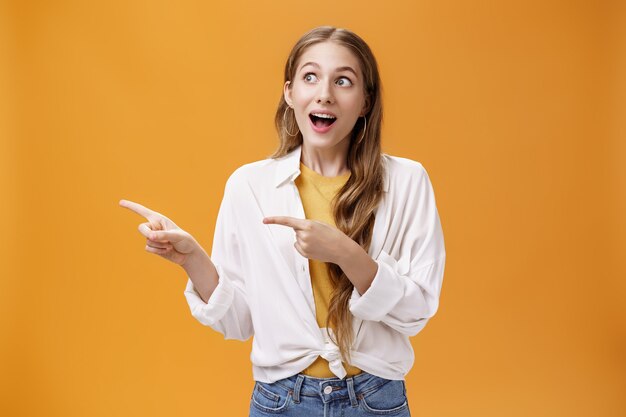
x=328, y=79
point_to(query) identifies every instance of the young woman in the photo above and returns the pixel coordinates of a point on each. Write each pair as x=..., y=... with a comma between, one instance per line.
x=329, y=252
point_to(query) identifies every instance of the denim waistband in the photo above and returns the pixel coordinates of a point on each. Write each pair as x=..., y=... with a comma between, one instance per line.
x=330, y=389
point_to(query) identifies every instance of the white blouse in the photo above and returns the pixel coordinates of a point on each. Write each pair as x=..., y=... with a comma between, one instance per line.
x=265, y=288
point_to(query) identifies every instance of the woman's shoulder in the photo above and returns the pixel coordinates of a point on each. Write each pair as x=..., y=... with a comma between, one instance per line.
x=406, y=177
x=253, y=172
x=399, y=167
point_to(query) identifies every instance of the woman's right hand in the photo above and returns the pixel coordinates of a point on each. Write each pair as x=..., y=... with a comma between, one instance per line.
x=163, y=237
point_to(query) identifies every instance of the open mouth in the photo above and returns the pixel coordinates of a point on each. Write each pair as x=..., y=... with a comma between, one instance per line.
x=322, y=121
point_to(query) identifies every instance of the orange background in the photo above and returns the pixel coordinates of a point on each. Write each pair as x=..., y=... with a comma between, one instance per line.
x=516, y=109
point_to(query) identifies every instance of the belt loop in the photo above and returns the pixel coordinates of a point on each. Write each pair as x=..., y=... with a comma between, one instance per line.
x=296, y=389
x=351, y=392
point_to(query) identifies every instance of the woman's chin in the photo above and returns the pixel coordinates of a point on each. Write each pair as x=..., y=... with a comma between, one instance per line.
x=321, y=141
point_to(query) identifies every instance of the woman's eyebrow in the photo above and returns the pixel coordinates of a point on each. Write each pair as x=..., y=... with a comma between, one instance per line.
x=346, y=68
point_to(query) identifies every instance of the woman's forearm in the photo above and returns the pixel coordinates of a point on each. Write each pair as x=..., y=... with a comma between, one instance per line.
x=202, y=273
x=358, y=266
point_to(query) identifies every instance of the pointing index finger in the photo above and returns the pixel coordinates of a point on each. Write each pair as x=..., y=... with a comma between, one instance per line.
x=285, y=221
x=137, y=208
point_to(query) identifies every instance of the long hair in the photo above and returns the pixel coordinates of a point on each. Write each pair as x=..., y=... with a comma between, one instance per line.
x=355, y=204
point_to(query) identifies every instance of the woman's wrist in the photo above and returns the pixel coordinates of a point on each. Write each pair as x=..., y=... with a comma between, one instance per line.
x=197, y=255
x=358, y=266
x=202, y=272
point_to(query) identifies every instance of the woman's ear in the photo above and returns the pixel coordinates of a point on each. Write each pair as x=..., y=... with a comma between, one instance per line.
x=366, y=106
x=287, y=93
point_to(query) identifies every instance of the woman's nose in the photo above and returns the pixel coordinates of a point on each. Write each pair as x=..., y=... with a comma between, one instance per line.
x=324, y=94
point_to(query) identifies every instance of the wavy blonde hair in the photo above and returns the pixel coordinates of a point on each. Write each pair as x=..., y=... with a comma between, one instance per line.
x=355, y=203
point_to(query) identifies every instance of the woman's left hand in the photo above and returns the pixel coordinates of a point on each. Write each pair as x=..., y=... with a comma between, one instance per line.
x=315, y=239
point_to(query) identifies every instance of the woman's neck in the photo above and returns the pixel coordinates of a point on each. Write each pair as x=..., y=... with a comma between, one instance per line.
x=329, y=162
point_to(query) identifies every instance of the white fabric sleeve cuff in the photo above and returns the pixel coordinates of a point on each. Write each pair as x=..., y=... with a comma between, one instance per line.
x=218, y=304
x=384, y=292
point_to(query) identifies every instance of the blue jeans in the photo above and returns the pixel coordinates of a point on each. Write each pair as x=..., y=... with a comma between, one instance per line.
x=303, y=396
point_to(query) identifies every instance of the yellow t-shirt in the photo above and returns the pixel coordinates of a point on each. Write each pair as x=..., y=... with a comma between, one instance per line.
x=317, y=192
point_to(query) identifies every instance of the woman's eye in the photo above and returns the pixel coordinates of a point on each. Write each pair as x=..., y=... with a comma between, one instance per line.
x=347, y=79
x=306, y=76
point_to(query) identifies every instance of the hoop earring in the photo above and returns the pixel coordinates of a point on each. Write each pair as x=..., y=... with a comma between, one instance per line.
x=284, y=123
x=364, y=129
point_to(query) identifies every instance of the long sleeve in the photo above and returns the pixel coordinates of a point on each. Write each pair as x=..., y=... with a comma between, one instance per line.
x=405, y=291
x=227, y=309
